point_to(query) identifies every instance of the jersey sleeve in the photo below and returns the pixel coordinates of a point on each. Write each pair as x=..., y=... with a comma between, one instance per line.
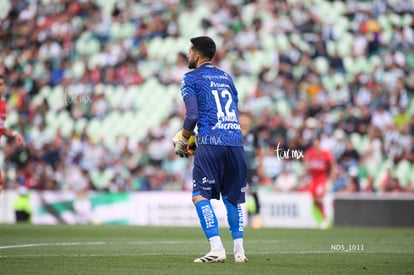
x=187, y=87
x=191, y=116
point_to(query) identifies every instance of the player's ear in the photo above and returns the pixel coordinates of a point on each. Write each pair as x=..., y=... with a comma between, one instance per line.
x=196, y=54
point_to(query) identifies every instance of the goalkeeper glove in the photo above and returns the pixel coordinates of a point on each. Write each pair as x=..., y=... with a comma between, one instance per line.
x=181, y=145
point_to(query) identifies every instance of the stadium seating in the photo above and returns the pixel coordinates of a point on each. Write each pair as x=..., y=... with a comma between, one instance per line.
x=134, y=111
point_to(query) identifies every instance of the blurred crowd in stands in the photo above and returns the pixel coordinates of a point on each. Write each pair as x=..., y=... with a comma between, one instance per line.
x=343, y=70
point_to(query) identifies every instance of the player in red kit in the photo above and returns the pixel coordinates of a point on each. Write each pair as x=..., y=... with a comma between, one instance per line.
x=3, y=114
x=320, y=165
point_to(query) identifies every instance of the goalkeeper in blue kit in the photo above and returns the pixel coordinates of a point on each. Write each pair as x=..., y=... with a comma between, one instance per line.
x=211, y=98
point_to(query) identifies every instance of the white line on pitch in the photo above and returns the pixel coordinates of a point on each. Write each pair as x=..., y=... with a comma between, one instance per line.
x=129, y=243
x=48, y=244
x=183, y=254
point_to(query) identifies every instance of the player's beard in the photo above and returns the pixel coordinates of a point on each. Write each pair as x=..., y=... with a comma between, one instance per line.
x=192, y=64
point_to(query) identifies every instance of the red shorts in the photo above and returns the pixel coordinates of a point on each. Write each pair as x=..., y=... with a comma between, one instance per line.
x=1, y=180
x=317, y=187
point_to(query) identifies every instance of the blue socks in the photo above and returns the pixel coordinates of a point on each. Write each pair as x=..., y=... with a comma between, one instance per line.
x=208, y=219
x=235, y=218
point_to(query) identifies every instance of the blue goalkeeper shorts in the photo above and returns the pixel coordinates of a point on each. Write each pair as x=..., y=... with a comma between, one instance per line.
x=220, y=170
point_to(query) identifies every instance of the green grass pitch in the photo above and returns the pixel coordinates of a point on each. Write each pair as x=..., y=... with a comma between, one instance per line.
x=110, y=249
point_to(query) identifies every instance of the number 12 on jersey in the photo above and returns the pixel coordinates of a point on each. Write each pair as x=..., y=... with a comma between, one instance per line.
x=227, y=104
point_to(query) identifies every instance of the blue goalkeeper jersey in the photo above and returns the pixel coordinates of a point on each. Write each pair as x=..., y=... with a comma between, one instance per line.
x=217, y=98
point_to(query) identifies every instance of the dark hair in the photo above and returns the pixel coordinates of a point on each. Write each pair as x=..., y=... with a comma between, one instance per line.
x=2, y=77
x=205, y=45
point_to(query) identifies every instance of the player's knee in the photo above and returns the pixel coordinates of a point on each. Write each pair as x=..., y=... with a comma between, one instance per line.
x=198, y=198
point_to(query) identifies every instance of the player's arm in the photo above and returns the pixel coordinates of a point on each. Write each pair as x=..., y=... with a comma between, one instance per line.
x=332, y=172
x=332, y=167
x=15, y=135
x=190, y=119
x=191, y=116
